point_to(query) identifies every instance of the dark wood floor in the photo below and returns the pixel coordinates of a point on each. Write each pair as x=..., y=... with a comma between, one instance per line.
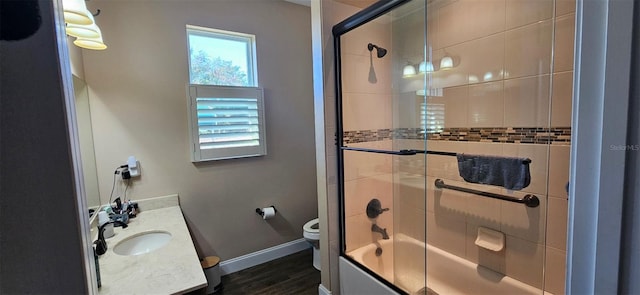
x=293, y=274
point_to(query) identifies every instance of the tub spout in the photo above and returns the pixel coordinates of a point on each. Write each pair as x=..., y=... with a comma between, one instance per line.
x=376, y=229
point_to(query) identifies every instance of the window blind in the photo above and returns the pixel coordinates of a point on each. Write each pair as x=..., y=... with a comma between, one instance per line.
x=432, y=117
x=226, y=122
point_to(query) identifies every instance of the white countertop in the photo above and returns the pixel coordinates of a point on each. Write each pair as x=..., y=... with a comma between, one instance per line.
x=174, y=268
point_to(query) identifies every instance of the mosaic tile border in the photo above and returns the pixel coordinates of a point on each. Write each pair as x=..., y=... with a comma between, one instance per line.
x=532, y=135
x=367, y=135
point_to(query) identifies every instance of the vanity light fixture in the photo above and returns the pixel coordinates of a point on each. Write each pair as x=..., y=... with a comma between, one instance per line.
x=90, y=43
x=94, y=43
x=408, y=70
x=488, y=76
x=446, y=63
x=83, y=31
x=76, y=12
x=81, y=24
x=425, y=67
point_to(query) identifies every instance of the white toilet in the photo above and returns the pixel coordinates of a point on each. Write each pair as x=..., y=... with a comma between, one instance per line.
x=312, y=235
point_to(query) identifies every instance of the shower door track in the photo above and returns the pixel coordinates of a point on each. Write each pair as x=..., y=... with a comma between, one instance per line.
x=398, y=153
x=408, y=152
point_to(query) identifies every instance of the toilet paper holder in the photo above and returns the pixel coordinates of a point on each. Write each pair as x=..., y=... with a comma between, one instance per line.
x=261, y=213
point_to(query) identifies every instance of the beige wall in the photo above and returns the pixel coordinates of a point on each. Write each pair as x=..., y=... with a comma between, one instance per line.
x=85, y=136
x=75, y=57
x=138, y=98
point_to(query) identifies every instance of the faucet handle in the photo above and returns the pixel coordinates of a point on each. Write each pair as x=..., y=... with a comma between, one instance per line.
x=374, y=208
x=101, y=246
x=101, y=243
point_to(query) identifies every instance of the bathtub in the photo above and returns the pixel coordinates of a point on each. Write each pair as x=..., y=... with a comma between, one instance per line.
x=446, y=273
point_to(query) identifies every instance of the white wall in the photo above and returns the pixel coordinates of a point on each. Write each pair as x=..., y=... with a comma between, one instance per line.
x=137, y=89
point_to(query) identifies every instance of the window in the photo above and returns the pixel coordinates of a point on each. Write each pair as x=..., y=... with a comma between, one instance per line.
x=226, y=108
x=432, y=117
x=219, y=57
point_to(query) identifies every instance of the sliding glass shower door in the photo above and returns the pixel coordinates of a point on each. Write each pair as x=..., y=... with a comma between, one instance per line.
x=381, y=136
x=453, y=138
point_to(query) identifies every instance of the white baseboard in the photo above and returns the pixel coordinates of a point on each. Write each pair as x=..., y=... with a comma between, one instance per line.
x=259, y=257
x=323, y=291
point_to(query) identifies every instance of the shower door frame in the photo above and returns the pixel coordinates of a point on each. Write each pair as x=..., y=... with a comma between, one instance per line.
x=360, y=18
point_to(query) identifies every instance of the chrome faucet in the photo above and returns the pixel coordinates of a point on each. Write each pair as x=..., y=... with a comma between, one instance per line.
x=376, y=229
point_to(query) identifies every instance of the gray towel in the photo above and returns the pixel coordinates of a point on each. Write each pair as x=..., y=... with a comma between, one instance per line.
x=510, y=173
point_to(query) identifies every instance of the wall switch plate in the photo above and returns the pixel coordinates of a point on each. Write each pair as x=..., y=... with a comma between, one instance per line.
x=134, y=166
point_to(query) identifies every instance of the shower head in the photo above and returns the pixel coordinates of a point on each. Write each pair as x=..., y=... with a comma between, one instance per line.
x=379, y=50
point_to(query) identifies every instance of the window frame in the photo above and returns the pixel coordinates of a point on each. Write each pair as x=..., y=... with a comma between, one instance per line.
x=195, y=91
x=210, y=91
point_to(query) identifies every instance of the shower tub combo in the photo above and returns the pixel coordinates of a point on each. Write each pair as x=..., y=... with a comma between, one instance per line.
x=391, y=98
x=401, y=263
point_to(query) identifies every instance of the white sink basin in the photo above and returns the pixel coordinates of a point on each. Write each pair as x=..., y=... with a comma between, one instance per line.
x=142, y=243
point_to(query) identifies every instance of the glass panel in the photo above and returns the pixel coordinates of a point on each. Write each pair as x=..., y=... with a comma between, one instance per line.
x=491, y=89
x=467, y=78
x=384, y=194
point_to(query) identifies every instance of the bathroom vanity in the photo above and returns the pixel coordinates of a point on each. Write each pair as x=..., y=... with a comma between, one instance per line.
x=150, y=262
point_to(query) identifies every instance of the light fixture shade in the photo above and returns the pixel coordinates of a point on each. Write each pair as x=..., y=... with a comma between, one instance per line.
x=75, y=12
x=488, y=76
x=446, y=63
x=425, y=67
x=408, y=70
x=91, y=43
x=83, y=31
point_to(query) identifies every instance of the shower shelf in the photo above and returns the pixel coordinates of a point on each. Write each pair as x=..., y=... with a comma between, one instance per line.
x=529, y=200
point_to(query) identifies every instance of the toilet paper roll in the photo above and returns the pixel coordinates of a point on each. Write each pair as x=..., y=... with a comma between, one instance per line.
x=268, y=213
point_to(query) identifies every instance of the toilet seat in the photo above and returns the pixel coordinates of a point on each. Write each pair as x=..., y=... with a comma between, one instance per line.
x=312, y=229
